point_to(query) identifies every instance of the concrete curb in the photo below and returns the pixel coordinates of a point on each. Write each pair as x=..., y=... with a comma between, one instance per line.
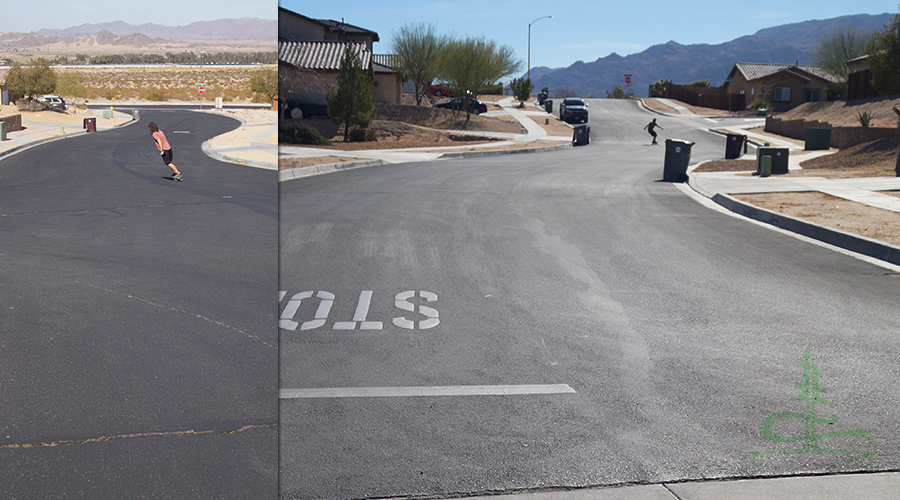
x=476, y=154
x=294, y=173
x=301, y=172
x=852, y=242
x=211, y=152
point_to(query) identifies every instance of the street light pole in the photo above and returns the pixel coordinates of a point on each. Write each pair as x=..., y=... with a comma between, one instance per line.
x=529, y=42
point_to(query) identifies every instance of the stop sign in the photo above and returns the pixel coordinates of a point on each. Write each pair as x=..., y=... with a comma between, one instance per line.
x=627, y=79
x=201, y=90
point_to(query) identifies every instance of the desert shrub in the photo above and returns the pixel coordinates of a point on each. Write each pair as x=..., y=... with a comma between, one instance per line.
x=30, y=105
x=362, y=135
x=290, y=132
x=759, y=104
x=156, y=95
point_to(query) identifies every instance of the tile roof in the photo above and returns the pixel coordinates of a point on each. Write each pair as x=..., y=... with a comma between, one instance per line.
x=333, y=26
x=342, y=27
x=755, y=71
x=320, y=55
x=389, y=60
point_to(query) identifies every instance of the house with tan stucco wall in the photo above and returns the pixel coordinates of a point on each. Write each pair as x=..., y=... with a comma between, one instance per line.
x=784, y=86
x=309, y=55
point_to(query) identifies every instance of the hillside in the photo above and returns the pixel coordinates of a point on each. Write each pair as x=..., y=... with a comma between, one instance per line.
x=790, y=43
x=246, y=28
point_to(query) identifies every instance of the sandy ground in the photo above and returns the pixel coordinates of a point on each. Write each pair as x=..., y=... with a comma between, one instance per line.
x=829, y=211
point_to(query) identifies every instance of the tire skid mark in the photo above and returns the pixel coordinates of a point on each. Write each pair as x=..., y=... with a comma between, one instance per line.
x=138, y=435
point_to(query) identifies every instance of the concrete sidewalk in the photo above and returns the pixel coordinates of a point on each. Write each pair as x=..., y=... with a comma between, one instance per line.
x=878, y=486
x=254, y=143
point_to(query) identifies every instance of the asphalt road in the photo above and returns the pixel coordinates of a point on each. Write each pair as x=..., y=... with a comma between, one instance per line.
x=641, y=337
x=138, y=348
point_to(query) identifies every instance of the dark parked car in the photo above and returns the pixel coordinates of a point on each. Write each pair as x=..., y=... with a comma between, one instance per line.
x=475, y=106
x=573, y=109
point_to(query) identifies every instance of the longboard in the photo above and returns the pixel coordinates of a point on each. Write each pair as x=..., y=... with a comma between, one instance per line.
x=173, y=179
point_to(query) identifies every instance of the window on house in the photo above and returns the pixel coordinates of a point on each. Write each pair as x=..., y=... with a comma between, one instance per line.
x=811, y=95
x=782, y=94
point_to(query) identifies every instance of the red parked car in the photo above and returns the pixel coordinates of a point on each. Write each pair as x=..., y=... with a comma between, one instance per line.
x=440, y=91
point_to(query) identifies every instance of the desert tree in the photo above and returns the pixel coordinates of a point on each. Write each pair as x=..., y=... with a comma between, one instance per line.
x=351, y=103
x=658, y=88
x=700, y=83
x=835, y=48
x=884, y=58
x=472, y=65
x=521, y=89
x=619, y=92
x=36, y=79
x=418, y=48
x=265, y=81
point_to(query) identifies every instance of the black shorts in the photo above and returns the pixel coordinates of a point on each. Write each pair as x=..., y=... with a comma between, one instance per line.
x=167, y=156
x=651, y=133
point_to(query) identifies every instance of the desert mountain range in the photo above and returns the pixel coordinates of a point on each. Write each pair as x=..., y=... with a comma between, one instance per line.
x=233, y=35
x=786, y=44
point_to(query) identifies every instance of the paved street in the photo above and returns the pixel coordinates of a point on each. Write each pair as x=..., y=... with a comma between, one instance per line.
x=566, y=320
x=137, y=349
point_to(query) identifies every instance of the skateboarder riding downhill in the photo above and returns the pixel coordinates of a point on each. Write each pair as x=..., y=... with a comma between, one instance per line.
x=164, y=150
x=649, y=128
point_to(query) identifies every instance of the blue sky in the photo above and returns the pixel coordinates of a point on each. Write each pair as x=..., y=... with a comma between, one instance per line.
x=23, y=17
x=582, y=30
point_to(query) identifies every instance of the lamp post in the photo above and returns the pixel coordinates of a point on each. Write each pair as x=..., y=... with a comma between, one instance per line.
x=529, y=42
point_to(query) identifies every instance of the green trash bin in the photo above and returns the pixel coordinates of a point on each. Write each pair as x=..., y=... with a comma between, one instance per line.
x=818, y=139
x=2, y=131
x=779, y=159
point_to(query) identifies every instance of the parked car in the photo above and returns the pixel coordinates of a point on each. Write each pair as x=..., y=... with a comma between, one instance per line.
x=440, y=91
x=54, y=100
x=475, y=106
x=573, y=109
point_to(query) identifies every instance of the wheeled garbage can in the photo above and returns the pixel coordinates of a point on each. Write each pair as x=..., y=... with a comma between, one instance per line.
x=678, y=156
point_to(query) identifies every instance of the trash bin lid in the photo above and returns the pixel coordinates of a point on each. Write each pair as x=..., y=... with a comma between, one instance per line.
x=679, y=141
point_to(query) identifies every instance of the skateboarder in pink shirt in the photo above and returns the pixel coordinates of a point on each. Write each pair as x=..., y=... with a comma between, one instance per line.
x=164, y=150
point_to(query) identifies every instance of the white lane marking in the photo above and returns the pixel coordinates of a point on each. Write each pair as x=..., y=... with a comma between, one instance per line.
x=432, y=391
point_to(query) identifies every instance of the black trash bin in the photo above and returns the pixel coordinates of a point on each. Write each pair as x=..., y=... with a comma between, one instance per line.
x=548, y=106
x=543, y=95
x=733, y=145
x=678, y=156
x=90, y=124
x=779, y=159
x=582, y=135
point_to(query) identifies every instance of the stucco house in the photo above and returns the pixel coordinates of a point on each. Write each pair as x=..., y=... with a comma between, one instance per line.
x=309, y=55
x=785, y=86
